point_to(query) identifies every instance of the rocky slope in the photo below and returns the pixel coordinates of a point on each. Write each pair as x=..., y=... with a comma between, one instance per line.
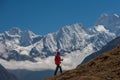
x=104, y=67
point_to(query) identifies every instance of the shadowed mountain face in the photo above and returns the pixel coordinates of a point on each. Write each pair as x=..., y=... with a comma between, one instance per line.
x=112, y=44
x=104, y=67
x=5, y=75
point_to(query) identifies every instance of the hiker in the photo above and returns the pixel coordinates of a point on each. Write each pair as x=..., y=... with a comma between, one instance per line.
x=58, y=60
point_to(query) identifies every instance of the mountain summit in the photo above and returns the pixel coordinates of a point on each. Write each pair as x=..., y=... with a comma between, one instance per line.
x=111, y=22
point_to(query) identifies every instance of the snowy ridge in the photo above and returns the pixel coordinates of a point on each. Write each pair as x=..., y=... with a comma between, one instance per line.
x=111, y=22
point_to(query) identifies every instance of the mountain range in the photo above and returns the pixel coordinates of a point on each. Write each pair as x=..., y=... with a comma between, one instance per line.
x=74, y=41
x=20, y=45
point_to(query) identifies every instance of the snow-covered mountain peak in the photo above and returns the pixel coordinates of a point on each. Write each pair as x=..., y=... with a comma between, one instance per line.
x=17, y=31
x=78, y=27
x=108, y=19
x=110, y=16
x=14, y=31
x=103, y=15
x=30, y=33
x=116, y=15
x=110, y=22
x=100, y=28
x=73, y=28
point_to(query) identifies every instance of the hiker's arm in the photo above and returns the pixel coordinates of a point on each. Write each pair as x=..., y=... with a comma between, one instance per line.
x=61, y=59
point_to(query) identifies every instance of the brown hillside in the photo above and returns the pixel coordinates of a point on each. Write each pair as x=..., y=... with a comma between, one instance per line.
x=104, y=67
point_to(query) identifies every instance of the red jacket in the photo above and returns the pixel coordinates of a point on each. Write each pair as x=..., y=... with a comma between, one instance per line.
x=57, y=60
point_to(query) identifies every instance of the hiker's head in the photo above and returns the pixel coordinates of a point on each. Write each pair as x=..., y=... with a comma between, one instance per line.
x=58, y=53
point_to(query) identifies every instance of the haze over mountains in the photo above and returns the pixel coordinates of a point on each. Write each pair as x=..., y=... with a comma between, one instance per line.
x=75, y=43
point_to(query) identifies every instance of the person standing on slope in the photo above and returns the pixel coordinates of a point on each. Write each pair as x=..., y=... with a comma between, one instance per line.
x=58, y=60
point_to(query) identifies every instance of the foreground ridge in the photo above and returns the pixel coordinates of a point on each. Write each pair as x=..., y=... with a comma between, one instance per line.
x=104, y=67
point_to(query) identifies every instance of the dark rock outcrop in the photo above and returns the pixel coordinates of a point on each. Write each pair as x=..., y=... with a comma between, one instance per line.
x=5, y=75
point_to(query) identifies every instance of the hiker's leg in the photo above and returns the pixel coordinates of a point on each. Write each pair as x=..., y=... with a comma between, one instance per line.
x=56, y=69
x=60, y=68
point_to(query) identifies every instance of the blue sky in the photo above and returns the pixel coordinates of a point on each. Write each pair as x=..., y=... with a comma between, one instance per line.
x=46, y=16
